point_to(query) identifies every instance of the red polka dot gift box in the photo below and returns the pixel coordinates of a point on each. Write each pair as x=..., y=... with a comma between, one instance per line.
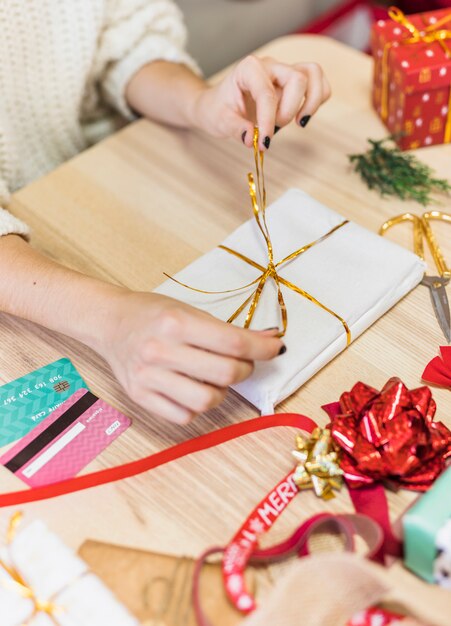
x=412, y=76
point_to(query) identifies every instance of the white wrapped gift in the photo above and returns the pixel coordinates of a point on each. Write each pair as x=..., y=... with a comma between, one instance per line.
x=354, y=272
x=61, y=590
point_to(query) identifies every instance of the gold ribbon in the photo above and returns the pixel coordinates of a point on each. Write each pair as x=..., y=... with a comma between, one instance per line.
x=429, y=34
x=20, y=586
x=257, y=193
x=318, y=466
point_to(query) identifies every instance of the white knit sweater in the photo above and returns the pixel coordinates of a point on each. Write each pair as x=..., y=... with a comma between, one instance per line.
x=64, y=65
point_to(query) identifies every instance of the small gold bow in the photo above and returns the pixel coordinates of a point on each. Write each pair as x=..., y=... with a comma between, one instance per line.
x=318, y=466
x=257, y=193
x=429, y=34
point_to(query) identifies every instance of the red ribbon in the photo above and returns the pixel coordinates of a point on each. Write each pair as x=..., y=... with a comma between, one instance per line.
x=378, y=616
x=372, y=501
x=134, y=468
x=349, y=526
x=438, y=371
x=243, y=544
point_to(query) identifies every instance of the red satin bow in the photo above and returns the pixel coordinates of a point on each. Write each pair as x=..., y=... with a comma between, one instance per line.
x=438, y=371
x=390, y=436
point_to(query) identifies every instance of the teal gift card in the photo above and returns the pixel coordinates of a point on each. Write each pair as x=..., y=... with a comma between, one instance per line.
x=25, y=402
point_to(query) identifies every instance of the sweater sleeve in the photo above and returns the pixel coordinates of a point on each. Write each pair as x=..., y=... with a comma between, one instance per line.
x=10, y=225
x=137, y=32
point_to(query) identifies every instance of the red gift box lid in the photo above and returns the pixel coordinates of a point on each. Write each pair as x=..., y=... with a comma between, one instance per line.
x=415, y=63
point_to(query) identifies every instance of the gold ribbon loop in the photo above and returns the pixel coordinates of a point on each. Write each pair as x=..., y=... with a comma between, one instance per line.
x=428, y=34
x=257, y=192
x=398, y=16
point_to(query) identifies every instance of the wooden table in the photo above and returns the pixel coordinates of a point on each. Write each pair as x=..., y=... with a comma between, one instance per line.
x=152, y=199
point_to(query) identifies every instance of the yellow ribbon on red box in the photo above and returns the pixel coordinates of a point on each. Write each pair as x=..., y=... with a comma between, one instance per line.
x=433, y=33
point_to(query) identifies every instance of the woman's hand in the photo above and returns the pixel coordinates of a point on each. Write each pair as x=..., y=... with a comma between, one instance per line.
x=177, y=361
x=258, y=91
x=264, y=92
x=173, y=360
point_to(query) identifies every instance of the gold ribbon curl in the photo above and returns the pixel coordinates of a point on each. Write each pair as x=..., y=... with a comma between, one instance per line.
x=318, y=463
x=429, y=34
x=257, y=192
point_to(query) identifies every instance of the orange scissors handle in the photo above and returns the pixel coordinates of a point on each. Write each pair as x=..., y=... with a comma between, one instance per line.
x=418, y=246
x=436, y=252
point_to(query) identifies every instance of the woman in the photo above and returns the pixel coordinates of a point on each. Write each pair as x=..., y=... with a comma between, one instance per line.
x=64, y=68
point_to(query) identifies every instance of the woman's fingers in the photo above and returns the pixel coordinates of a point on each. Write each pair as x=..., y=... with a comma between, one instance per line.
x=292, y=89
x=177, y=361
x=236, y=125
x=303, y=89
x=217, y=370
x=187, y=370
x=281, y=93
x=208, y=333
x=317, y=92
x=191, y=395
x=327, y=90
x=162, y=406
x=252, y=77
x=192, y=358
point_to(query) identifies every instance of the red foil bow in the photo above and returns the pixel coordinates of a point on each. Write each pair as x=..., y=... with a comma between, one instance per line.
x=389, y=436
x=438, y=371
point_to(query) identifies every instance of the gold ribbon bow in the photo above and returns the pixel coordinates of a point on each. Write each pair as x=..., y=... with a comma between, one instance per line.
x=318, y=467
x=17, y=583
x=257, y=193
x=429, y=34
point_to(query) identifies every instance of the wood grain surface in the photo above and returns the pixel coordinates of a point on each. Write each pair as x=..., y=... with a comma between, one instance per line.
x=152, y=199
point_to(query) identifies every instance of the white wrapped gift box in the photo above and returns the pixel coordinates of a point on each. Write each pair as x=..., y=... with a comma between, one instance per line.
x=354, y=272
x=55, y=574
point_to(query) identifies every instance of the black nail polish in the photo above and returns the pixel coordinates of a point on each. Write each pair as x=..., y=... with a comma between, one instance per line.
x=243, y=136
x=305, y=120
x=266, y=142
x=283, y=349
x=276, y=129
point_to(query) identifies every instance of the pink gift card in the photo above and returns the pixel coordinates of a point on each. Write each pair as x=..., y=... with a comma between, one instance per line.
x=66, y=441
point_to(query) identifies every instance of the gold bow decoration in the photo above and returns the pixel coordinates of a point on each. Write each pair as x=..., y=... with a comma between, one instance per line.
x=318, y=463
x=257, y=192
x=429, y=34
x=17, y=584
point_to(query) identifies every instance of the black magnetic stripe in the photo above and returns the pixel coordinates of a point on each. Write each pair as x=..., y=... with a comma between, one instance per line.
x=49, y=434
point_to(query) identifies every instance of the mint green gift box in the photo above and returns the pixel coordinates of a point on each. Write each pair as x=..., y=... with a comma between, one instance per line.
x=421, y=524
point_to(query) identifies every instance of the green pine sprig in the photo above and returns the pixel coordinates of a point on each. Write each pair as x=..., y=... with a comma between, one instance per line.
x=391, y=172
